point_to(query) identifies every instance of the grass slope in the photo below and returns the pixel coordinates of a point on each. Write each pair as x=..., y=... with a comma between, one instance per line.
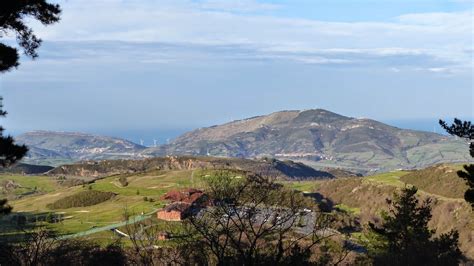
x=14, y=186
x=366, y=197
x=131, y=198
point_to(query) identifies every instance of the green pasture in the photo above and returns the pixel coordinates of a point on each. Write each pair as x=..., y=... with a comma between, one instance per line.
x=130, y=199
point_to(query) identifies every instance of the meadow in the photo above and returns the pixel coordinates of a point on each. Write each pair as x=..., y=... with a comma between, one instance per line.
x=142, y=195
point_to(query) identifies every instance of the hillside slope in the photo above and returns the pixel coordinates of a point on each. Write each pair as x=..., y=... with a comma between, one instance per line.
x=284, y=170
x=55, y=148
x=320, y=138
x=26, y=169
x=366, y=198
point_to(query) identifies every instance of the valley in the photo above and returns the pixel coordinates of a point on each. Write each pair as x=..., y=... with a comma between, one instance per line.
x=362, y=198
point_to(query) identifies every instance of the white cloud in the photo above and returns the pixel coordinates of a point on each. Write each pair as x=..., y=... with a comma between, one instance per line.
x=441, y=36
x=236, y=5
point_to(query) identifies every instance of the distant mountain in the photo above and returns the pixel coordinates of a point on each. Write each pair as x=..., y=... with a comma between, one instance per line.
x=55, y=148
x=320, y=139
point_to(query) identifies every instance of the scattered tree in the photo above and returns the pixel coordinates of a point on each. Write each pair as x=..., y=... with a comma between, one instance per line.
x=123, y=181
x=405, y=238
x=464, y=130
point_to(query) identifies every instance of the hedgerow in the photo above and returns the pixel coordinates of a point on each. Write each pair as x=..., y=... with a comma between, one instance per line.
x=81, y=199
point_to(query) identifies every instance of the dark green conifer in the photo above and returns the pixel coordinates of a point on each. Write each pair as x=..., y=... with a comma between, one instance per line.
x=13, y=14
x=406, y=238
x=464, y=130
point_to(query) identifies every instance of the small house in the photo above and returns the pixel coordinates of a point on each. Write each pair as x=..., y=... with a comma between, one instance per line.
x=176, y=211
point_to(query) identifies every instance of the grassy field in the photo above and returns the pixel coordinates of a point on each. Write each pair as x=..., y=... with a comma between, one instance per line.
x=27, y=185
x=390, y=178
x=152, y=185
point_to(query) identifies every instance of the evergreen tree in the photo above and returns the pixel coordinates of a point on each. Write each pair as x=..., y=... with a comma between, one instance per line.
x=406, y=238
x=9, y=154
x=9, y=151
x=464, y=130
x=12, y=19
x=13, y=14
x=4, y=207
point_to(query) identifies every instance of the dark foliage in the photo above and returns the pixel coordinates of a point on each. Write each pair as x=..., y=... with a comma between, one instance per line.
x=465, y=130
x=12, y=16
x=406, y=238
x=12, y=19
x=9, y=151
x=81, y=199
x=8, y=57
x=9, y=154
x=4, y=207
x=42, y=248
x=462, y=129
x=254, y=221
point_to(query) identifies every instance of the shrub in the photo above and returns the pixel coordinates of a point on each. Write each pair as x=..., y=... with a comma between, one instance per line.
x=81, y=199
x=123, y=181
x=72, y=182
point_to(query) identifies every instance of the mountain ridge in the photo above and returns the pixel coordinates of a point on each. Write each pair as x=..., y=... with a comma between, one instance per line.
x=316, y=137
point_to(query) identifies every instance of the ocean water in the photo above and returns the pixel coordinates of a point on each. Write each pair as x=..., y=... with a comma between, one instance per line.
x=426, y=124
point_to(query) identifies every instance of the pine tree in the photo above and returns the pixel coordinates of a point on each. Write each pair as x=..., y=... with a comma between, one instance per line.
x=9, y=154
x=406, y=238
x=12, y=19
x=464, y=130
x=13, y=14
x=9, y=151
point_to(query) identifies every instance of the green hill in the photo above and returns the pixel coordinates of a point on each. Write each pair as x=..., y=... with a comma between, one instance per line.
x=320, y=138
x=56, y=148
x=366, y=197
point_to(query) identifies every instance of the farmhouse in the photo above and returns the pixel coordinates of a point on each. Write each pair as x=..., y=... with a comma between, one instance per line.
x=183, y=203
x=176, y=211
x=190, y=196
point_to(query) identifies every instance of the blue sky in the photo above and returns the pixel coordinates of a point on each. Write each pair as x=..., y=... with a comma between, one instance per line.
x=116, y=65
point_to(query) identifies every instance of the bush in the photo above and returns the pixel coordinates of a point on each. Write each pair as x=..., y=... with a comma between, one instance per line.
x=123, y=181
x=81, y=199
